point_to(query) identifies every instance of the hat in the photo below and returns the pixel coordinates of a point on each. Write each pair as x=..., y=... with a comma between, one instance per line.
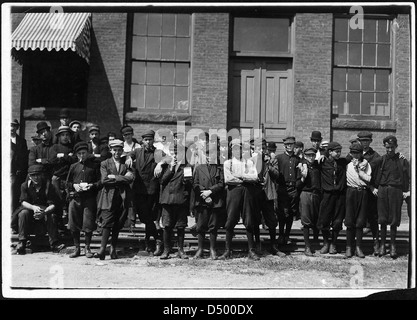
x=353, y=138
x=74, y=122
x=36, y=168
x=235, y=142
x=149, y=133
x=271, y=146
x=324, y=144
x=64, y=113
x=42, y=125
x=364, y=135
x=126, y=129
x=357, y=147
x=310, y=151
x=299, y=144
x=15, y=123
x=94, y=128
x=116, y=143
x=390, y=139
x=316, y=135
x=289, y=140
x=80, y=145
x=62, y=129
x=334, y=146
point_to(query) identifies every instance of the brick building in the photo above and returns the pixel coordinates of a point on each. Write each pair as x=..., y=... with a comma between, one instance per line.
x=291, y=69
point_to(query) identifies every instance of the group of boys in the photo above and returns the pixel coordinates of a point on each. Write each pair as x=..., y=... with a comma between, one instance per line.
x=106, y=183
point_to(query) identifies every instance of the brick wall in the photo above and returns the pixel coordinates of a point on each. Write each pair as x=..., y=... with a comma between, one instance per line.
x=312, y=75
x=210, y=70
x=107, y=70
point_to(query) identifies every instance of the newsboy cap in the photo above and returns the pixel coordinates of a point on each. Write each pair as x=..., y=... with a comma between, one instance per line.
x=94, y=128
x=271, y=146
x=324, y=144
x=36, y=168
x=289, y=139
x=126, y=129
x=364, y=135
x=74, y=122
x=15, y=123
x=311, y=151
x=353, y=138
x=116, y=143
x=149, y=133
x=357, y=147
x=316, y=135
x=62, y=129
x=80, y=145
x=42, y=125
x=390, y=139
x=334, y=146
x=299, y=144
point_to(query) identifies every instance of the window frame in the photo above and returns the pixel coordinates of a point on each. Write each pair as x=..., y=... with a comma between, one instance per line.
x=391, y=69
x=130, y=62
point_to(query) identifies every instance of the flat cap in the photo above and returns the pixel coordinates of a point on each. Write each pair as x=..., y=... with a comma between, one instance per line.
x=126, y=129
x=289, y=139
x=334, y=146
x=116, y=143
x=94, y=128
x=353, y=138
x=357, y=147
x=324, y=144
x=364, y=135
x=149, y=133
x=299, y=144
x=311, y=151
x=80, y=145
x=390, y=139
x=36, y=168
x=62, y=129
x=74, y=122
x=15, y=123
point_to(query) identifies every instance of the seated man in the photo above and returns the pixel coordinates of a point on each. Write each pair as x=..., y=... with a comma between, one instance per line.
x=38, y=199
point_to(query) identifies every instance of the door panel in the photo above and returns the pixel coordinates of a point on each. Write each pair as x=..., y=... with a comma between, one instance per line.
x=260, y=95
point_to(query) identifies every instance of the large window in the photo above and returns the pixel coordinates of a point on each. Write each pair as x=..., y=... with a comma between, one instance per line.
x=362, y=68
x=160, y=62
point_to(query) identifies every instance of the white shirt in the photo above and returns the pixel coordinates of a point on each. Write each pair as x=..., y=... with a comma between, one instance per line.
x=357, y=179
x=237, y=171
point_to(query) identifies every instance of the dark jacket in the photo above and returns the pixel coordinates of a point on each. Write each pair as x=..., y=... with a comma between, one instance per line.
x=44, y=152
x=101, y=149
x=209, y=177
x=404, y=169
x=19, y=156
x=61, y=165
x=174, y=189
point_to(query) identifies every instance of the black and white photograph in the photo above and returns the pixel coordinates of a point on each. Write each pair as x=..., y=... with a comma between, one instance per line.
x=208, y=150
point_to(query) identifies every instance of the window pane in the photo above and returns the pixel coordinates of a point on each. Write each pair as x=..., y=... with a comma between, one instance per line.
x=339, y=78
x=382, y=104
x=369, y=30
x=261, y=34
x=167, y=97
x=167, y=73
x=152, y=73
x=369, y=54
x=353, y=103
x=353, y=82
x=340, y=53
x=338, y=102
x=341, y=29
x=183, y=25
x=152, y=97
x=367, y=102
x=383, y=58
x=181, y=74
x=154, y=48
x=182, y=51
x=355, y=34
x=368, y=79
x=382, y=80
x=154, y=24
x=383, y=31
x=168, y=24
x=139, y=24
x=181, y=98
x=138, y=47
x=168, y=48
x=138, y=72
x=137, y=97
x=355, y=54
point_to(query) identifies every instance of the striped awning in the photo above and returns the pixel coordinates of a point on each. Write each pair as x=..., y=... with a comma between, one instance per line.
x=54, y=31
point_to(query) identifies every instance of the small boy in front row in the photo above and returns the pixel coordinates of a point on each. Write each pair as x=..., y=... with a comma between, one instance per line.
x=392, y=186
x=83, y=182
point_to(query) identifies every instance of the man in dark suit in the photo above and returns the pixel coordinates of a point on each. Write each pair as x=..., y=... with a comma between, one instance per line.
x=18, y=162
x=148, y=163
x=114, y=199
x=43, y=152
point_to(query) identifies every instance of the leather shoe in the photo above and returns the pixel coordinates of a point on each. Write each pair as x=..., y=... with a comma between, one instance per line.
x=226, y=255
x=213, y=254
x=253, y=255
x=332, y=249
x=100, y=256
x=348, y=253
x=113, y=254
x=276, y=252
x=307, y=252
x=181, y=254
x=359, y=253
x=376, y=247
x=393, y=252
x=159, y=248
x=165, y=255
x=76, y=253
x=325, y=249
x=198, y=254
x=88, y=253
x=382, y=251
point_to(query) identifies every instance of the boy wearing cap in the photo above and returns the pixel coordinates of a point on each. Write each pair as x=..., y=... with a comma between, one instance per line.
x=130, y=143
x=240, y=177
x=98, y=149
x=42, y=153
x=392, y=181
x=310, y=196
x=333, y=204
x=18, y=162
x=176, y=184
x=208, y=185
x=288, y=197
x=358, y=176
x=38, y=198
x=114, y=199
x=83, y=183
x=64, y=120
x=148, y=164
